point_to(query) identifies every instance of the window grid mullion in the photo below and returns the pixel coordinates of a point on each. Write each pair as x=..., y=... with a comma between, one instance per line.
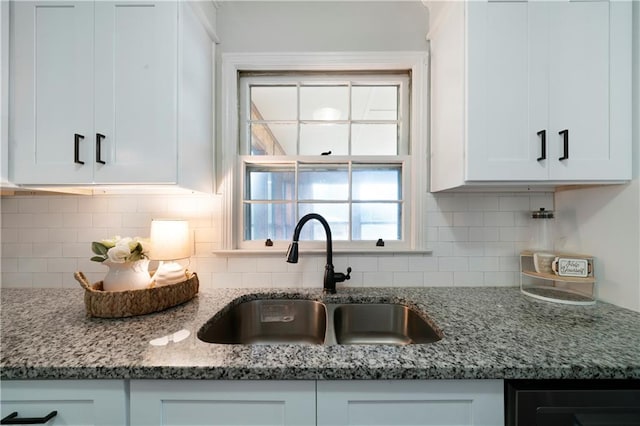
x=350, y=197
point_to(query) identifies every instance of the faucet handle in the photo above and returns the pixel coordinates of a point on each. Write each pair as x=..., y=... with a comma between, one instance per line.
x=340, y=277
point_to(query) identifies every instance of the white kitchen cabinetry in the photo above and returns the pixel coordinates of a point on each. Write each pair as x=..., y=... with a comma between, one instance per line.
x=223, y=402
x=111, y=93
x=77, y=402
x=344, y=402
x=511, y=81
x=419, y=402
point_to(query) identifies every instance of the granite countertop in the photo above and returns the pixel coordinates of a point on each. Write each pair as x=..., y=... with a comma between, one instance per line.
x=489, y=333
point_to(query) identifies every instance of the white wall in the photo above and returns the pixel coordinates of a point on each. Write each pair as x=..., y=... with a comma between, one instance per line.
x=325, y=26
x=475, y=238
x=605, y=221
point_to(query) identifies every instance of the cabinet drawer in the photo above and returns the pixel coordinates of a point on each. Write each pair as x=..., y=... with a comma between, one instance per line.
x=77, y=402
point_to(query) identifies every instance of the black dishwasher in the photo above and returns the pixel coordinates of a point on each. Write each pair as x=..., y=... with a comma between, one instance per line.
x=572, y=402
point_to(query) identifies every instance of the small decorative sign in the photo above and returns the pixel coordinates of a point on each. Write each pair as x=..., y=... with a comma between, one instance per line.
x=568, y=267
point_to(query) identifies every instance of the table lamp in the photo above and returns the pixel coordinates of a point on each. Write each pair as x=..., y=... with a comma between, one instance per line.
x=170, y=242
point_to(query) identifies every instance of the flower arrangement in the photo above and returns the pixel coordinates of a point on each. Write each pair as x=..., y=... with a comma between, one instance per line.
x=119, y=249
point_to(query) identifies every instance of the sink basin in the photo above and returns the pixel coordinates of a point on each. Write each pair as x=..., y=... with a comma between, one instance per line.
x=385, y=323
x=297, y=321
x=268, y=321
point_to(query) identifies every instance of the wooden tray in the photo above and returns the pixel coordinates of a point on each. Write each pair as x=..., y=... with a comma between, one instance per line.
x=120, y=304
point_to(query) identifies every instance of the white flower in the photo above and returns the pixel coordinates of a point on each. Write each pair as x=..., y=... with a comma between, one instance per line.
x=119, y=253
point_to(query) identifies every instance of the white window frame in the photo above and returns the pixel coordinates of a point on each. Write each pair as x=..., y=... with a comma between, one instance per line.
x=231, y=165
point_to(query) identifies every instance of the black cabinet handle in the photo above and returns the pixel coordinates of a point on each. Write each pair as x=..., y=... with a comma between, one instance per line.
x=565, y=137
x=543, y=145
x=13, y=419
x=99, y=138
x=76, y=148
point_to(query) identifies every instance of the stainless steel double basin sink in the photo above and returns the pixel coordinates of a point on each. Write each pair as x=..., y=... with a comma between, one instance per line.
x=297, y=321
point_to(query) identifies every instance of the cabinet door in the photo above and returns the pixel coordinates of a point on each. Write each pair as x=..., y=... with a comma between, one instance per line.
x=587, y=43
x=432, y=402
x=223, y=402
x=52, y=100
x=78, y=402
x=504, y=86
x=136, y=70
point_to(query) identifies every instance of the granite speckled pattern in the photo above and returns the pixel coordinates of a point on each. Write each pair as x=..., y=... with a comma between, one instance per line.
x=492, y=333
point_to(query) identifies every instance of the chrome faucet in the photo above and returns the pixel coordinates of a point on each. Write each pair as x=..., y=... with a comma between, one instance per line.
x=330, y=277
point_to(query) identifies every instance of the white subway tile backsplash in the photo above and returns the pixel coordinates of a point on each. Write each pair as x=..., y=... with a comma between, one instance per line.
x=438, y=279
x=47, y=249
x=16, y=279
x=423, y=263
x=33, y=205
x=102, y=220
x=484, y=263
x=393, y=264
x=97, y=204
x=364, y=263
x=241, y=264
x=467, y=279
x=47, y=220
x=32, y=265
x=9, y=264
x=47, y=280
x=475, y=239
x=453, y=264
x=468, y=249
x=499, y=219
x=439, y=218
x=468, y=219
x=17, y=220
x=80, y=220
x=16, y=250
x=126, y=204
x=504, y=279
x=33, y=235
x=483, y=202
x=514, y=203
x=377, y=279
x=62, y=264
x=63, y=205
x=9, y=205
x=408, y=279
x=453, y=234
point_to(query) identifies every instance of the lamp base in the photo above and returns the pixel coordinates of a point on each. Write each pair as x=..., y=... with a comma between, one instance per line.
x=169, y=273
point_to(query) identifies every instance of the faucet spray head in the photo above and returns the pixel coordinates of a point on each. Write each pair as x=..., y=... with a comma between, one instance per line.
x=292, y=252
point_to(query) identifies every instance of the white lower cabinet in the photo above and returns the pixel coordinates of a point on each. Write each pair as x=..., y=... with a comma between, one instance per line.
x=77, y=402
x=257, y=402
x=411, y=402
x=322, y=403
x=223, y=402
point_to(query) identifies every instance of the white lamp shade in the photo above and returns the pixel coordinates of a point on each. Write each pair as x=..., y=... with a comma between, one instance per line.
x=169, y=239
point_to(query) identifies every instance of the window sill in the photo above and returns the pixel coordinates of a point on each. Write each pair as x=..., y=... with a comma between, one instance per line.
x=321, y=252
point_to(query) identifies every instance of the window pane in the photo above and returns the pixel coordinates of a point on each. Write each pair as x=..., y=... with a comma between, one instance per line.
x=322, y=183
x=336, y=214
x=376, y=220
x=374, y=103
x=374, y=139
x=275, y=221
x=270, y=184
x=318, y=138
x=274, y=103
x=324, y=102
x=384, y=183
x=273, y=139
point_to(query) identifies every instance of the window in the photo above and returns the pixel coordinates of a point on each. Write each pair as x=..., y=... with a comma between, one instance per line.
x=334, y=142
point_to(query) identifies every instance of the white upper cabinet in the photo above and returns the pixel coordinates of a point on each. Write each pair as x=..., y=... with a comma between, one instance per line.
x=100, y=94
x=530, y=93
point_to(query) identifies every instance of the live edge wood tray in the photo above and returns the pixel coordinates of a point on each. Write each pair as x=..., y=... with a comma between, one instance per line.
x=128, y=303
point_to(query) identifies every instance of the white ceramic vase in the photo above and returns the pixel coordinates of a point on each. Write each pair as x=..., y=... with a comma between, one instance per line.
x=126, y=276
